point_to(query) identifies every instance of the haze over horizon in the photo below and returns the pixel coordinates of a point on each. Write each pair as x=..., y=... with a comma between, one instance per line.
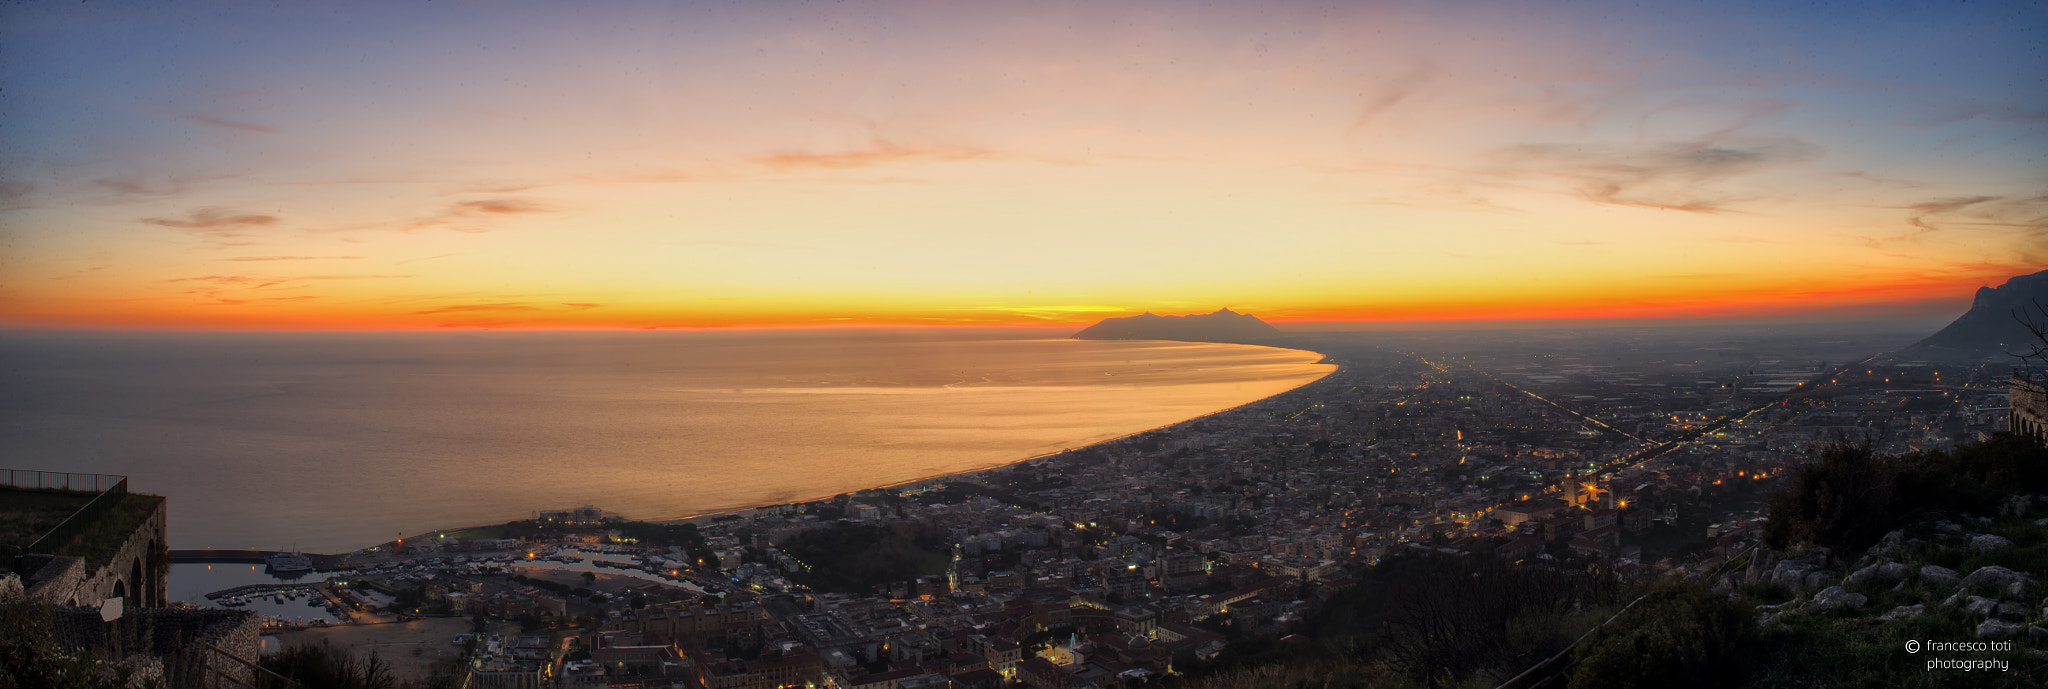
x=682, y=165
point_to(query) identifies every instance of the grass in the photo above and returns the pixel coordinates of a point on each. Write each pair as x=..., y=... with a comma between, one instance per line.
x=111, y=530
x=27, y=514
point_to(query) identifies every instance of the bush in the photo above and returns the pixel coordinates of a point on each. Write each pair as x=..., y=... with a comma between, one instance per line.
x=1850, y=497
x=1681, y=635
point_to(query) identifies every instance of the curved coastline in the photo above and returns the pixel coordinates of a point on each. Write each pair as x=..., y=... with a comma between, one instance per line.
x=693, y=518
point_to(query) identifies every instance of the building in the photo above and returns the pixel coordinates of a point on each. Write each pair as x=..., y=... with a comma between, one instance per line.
x=80, y=539
x=93, y=555
x=2029, y=411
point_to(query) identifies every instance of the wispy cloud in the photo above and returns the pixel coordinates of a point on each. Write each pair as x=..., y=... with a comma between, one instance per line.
x=470, y=216
x=14, y=194
x=1051, y=313
x=231, y=124
x=1918, y=214
x=221, y=226
x=508, y=307
x=1678, y=176
x=881, y=154
x=215, y=218
x=501, y=206
x=215, y=286
x=289, y=258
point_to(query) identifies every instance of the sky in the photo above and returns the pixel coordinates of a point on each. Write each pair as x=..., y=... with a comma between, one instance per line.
x=470, y=164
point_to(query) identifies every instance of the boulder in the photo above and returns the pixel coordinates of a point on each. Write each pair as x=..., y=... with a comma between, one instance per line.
x=2037, y=632
x=1834, y=598
x=1789, y=579
x=1979, y=605
x=1940, y=575
x=1818, y=579
x=1946, y=526
x=1988, y=542
x=1992, y=578
x=2012, y=611
x=1904, y=612
x=1880, y=573
x=1999, y=629
x=1894, y=570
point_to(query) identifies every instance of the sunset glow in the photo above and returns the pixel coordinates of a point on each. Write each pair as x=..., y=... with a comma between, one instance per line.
x=673, y=165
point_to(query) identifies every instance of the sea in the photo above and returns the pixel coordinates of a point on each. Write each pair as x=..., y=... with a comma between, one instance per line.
x=334, y=442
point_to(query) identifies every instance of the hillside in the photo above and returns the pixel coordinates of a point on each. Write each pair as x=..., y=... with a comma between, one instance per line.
x=1993, y=325
x=1222, y=326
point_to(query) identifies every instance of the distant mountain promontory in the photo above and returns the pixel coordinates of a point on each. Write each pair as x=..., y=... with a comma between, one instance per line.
x=1992, y=325
x=1222, y=326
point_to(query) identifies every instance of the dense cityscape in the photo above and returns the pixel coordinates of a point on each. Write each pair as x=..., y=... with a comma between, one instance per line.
x=1118, y=563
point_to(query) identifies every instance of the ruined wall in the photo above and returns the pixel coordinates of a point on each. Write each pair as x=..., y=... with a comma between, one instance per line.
x=200, y=648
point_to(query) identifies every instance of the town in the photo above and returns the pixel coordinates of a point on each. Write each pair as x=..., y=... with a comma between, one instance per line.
x=1118, y=563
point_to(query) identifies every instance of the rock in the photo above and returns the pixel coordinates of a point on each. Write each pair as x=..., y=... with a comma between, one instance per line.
x=1818, y=579
x=1980, y=605
x=1904, y=612
x=1953, y=601
x=2041, y=522
x=1946, y=526
x=1894, y=539
x=2037, y=632
x=2012, y=611
x=1882, y=572
x=1789, y=579
x=1988, y=542
x=1992, y=578
x=1835, y=598
x=2018, y=589
x=1939, y=575
x=1999, y=629
x=1894, y=570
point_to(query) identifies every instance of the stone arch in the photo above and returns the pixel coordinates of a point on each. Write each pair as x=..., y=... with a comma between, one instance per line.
x=121, y=590
x=135, y=581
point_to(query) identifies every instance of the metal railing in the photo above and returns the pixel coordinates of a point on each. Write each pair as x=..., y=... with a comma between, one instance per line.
x=110, y=488
x=59, y=480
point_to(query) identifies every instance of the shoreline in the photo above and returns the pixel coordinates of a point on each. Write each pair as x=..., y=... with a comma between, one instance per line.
x=695, y=518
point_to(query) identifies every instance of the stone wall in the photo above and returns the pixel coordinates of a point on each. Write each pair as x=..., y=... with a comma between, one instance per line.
x=199, y=648
x=138, y=570
x=2029, y=406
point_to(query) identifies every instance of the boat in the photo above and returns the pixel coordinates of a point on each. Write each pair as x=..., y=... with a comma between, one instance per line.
x=289, y=563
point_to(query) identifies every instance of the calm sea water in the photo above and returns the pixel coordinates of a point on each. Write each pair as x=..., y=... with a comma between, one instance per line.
x=331, y=443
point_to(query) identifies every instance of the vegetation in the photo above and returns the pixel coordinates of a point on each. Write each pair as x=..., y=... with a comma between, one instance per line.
x=326, y=667
x=31, y=658
x=856, y=558
x=1680, y=635
x=1424, y=619
x=1850, y=498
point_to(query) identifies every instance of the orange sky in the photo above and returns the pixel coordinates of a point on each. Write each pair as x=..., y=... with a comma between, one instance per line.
x=669, y=165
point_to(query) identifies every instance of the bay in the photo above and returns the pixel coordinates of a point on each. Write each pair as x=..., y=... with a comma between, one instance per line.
x=332, y=442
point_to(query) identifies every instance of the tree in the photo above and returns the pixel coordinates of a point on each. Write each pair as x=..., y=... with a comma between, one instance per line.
x=1681, y=636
